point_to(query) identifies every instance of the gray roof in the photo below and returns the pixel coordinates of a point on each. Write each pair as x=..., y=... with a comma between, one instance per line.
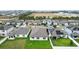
x=5, y=27
x=22, y=30
x=54, y=33
x=39, y=32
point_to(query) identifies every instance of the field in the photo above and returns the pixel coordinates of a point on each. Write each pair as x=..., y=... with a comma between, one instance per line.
x=63, y=42
x=50, y=14
x=43, y=14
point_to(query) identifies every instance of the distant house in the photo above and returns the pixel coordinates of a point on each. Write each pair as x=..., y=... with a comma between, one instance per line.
x=21, y=32
x=5, y=29
x=49, y=22
x=33, y=22
x=38, y=33
x=15, y=23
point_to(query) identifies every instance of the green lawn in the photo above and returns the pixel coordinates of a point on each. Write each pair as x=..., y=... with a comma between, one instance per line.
x=37, y=44
x=25, y=43
x=77, y=40
x=62, y=42
x=1, y=37
x=13, y=44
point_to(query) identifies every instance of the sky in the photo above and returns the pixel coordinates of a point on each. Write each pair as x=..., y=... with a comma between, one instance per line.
x=39, y=5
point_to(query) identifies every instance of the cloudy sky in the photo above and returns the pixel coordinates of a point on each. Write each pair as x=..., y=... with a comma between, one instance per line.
x=39, y=5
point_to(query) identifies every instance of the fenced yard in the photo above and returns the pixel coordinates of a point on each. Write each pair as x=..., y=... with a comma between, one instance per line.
x=38, y=44
x=13, y=44
x=1, y=37
x=63, y=42
x=25, y=43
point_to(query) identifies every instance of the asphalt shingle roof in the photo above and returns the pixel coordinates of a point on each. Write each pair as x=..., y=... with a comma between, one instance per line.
x=19, y=31
x=22, y=30
x=39, y=32
x=5, y=27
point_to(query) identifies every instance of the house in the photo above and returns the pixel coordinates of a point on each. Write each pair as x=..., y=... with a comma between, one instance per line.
x=49, y=22
x=21, y=32
x=33, y=22
x=75, y=32
x=55, y=22
x=75, y=35
x=75, y=29
x=5, y=29
x=39, y=33
x=57, y=33
x=15, y=23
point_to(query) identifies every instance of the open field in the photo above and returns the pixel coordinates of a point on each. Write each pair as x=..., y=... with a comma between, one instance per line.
x=43, y=14
x=63, y=42
x=38, y=44
x=50, y=14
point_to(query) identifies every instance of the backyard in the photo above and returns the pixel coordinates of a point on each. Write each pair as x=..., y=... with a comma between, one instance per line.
x=1, y=37
x=13, y=44
x=25, y=43
x=62, y=42
x=77, y=40
x=37, y=44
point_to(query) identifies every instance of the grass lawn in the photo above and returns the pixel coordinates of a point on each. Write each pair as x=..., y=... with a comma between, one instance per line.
x=77, y=40
x=38, y=44
x=1, y=37
x=63, y=42
x=13, y=44
x=25, y=43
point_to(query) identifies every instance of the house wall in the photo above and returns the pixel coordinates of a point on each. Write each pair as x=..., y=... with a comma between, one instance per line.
x=2, y=32
x=20, y=35
x=76, y=32
x=11, y=38
x=6, y=31
x=40, y=38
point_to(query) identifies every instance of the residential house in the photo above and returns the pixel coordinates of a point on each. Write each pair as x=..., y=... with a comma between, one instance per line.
x=75, y=31
x=39, y=33
x=21, y=32
x=57, y=33
x=5, y=29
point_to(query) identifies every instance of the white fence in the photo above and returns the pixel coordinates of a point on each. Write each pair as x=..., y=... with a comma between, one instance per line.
x=2, y=40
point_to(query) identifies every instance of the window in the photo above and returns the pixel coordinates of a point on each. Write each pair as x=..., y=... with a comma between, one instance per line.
x=3, y=34
x=37, y=37
x=44, y=38
x=3, y=30
x=33, y=37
